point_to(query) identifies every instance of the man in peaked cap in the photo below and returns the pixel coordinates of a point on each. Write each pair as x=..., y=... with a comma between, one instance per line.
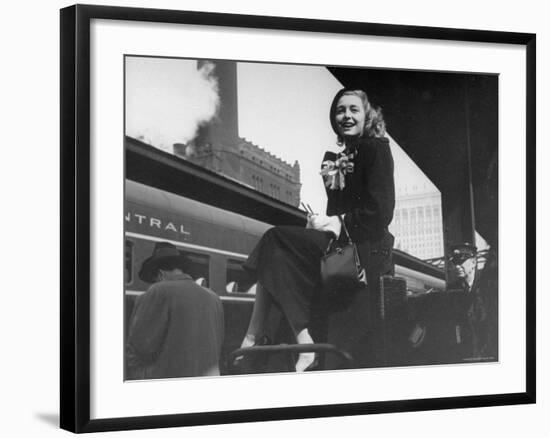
x=177, y=326
x=463, y=258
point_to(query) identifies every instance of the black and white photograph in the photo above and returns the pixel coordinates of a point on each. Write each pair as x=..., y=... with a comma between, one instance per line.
x=290, y=218
x=275, y=219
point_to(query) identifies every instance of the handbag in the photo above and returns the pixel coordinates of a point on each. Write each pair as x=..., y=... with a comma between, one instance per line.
x=341, y=270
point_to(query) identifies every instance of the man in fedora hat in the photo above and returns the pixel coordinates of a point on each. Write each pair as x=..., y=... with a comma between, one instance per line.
x=177, y=326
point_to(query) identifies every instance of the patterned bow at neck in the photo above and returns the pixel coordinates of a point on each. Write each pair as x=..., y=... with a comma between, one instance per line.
x=334, y=172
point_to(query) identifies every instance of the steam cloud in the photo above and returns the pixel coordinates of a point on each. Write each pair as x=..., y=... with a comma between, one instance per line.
x=167, y=100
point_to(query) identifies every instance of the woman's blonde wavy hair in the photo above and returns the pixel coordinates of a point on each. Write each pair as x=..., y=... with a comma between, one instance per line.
x=375, y=126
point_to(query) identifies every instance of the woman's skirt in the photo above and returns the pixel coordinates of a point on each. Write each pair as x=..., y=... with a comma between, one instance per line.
x=287, y=263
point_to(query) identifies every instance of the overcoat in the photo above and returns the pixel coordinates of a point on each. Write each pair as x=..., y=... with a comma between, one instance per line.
x=176, y=330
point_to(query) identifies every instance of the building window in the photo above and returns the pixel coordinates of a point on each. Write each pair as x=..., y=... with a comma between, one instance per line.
x=417, y=222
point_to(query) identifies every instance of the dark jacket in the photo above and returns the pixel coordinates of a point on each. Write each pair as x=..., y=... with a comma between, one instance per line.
x=473, y=316
x=367, y=201
x=176, y=330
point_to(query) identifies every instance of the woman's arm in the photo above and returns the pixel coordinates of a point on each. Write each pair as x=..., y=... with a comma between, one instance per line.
x=377, y=198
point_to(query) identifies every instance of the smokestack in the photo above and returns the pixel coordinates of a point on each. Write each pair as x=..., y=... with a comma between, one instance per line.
x=224, y=127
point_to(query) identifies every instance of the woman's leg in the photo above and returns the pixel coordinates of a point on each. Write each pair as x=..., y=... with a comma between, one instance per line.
x=256, y=326
x=304, y=359
x=286, y=263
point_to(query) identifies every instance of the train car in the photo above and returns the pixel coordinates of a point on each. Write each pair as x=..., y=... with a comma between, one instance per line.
x=214, y=240
x=218, y=242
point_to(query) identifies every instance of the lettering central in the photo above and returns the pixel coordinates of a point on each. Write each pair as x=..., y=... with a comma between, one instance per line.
x=157, y=223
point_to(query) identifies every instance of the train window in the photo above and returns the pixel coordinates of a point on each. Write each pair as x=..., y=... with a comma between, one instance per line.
x=128, y=261
x=199, y=266
x=237, y=279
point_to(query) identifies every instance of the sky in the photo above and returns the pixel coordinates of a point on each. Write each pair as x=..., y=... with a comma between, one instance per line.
x=282, y=108
x=166, y=99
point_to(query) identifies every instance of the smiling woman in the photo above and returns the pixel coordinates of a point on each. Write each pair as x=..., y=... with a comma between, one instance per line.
x=351, y=114
x=360, y=198
x=449, y=123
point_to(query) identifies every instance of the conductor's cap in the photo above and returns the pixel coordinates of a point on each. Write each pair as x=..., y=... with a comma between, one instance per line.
x=462, y=252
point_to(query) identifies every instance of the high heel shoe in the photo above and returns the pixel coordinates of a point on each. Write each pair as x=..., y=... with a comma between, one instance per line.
x=313, y=366
x=250, y=363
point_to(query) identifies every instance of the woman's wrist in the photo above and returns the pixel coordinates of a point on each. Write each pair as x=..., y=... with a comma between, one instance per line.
x=334, y=225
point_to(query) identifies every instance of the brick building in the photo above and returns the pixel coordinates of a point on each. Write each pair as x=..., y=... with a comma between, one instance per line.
x=219, y=148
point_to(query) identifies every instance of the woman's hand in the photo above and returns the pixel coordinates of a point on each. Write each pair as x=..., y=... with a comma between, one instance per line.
x=312, y=221
x=315, y=221
x=321, y=222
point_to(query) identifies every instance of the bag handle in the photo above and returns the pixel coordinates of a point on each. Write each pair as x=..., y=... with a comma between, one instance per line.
x=343, y=223
x=332, y=240
x=362, y=272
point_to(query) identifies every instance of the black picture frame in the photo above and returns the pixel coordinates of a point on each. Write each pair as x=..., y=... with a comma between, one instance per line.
x=75, y=216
